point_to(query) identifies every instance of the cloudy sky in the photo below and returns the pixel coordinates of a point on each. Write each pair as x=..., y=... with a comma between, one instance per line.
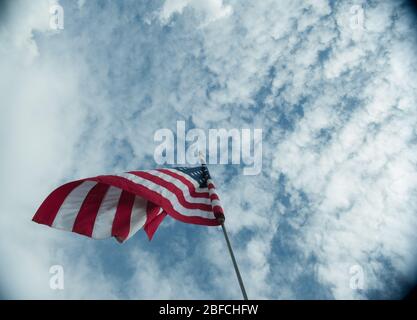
x=330, y=83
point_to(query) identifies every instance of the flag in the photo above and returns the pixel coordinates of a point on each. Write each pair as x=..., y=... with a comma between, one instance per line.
x=121, y=204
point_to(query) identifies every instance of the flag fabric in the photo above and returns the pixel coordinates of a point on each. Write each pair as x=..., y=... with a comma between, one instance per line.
x=119, y=205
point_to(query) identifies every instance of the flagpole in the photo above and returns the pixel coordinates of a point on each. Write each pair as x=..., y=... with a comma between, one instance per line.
x=229, y=246
x=239, y=278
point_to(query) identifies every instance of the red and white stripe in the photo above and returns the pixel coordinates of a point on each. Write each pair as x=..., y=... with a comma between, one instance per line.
x=119, y=205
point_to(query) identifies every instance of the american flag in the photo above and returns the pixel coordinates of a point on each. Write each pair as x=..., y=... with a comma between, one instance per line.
x=119, y=205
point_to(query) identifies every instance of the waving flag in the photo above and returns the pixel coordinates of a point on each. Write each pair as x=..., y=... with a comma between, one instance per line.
x=119, y=205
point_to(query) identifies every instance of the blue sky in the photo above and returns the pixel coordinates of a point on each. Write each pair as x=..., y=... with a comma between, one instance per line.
x=336, y=103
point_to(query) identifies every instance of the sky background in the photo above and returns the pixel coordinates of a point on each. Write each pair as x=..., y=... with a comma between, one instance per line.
x=336, y=103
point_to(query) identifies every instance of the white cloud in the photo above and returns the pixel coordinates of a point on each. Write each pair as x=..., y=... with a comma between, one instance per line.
x=362, y=183
x=208, y=10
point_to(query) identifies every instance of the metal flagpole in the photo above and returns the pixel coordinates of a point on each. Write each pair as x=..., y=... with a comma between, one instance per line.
x=239, y=278
x=229, y=246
